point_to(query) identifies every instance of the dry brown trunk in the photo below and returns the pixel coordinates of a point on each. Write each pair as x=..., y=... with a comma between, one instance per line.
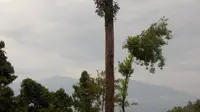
x=109, y=68
x=109, y=62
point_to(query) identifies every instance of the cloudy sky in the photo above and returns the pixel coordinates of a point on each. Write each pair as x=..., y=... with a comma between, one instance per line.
x=46, y=38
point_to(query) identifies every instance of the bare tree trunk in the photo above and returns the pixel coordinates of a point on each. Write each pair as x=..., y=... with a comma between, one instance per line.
x=109, y=62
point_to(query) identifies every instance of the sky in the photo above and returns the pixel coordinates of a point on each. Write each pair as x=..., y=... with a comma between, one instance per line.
x=46, y=38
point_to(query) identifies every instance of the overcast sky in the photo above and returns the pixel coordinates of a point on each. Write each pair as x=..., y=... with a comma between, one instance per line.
x=46, y=38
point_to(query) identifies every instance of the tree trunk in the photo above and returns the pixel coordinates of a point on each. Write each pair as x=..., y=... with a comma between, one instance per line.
x=123, y=100
x=109, y=62
x=124, y=95
x=123, y=108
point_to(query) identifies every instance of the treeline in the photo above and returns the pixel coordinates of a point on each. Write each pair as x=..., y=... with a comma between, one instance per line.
x=89, y=93
x=88, y=96
x=190, y=107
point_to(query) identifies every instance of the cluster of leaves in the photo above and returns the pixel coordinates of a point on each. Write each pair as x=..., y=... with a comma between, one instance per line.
x=147, y=46
x=190, y=107
x=106, y=9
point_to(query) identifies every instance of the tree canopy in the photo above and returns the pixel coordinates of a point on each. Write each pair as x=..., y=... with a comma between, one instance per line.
x=6, y=69
x=147, y=46
x=85, y=94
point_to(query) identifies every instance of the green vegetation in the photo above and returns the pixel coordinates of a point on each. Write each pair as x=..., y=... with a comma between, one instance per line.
x=6, y=77
x=190, y=107
x=86, y=93
x=125, y=68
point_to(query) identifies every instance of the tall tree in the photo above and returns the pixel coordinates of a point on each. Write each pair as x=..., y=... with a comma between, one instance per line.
x=108, y=10
x=86, y=93
x=6, y=77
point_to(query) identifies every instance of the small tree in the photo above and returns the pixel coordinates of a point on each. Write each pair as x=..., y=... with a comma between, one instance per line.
x=144, y=49
x=100, y=80
x=86, y=93
x=34, y=95
x=61, y=102
x=125, y=68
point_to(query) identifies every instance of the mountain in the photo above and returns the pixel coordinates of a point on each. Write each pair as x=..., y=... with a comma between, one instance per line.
x=150, y=98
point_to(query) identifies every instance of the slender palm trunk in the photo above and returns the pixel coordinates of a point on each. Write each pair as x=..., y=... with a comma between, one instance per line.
x=109, y=62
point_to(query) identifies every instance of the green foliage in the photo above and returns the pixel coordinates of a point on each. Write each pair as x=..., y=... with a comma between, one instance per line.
x=125, y=68
x=103, y=8
x=6, y=69
x=34, y=93
x=61, y=101
x=86, y=93
x=6, y=99
x=147, y=46
x=36, y=98
x=190, y=107
x=144, y=49
x=20, y=104
x=100, y=80
x=6, y=77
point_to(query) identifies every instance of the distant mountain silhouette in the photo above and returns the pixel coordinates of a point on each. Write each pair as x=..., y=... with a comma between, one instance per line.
x=150, y=98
